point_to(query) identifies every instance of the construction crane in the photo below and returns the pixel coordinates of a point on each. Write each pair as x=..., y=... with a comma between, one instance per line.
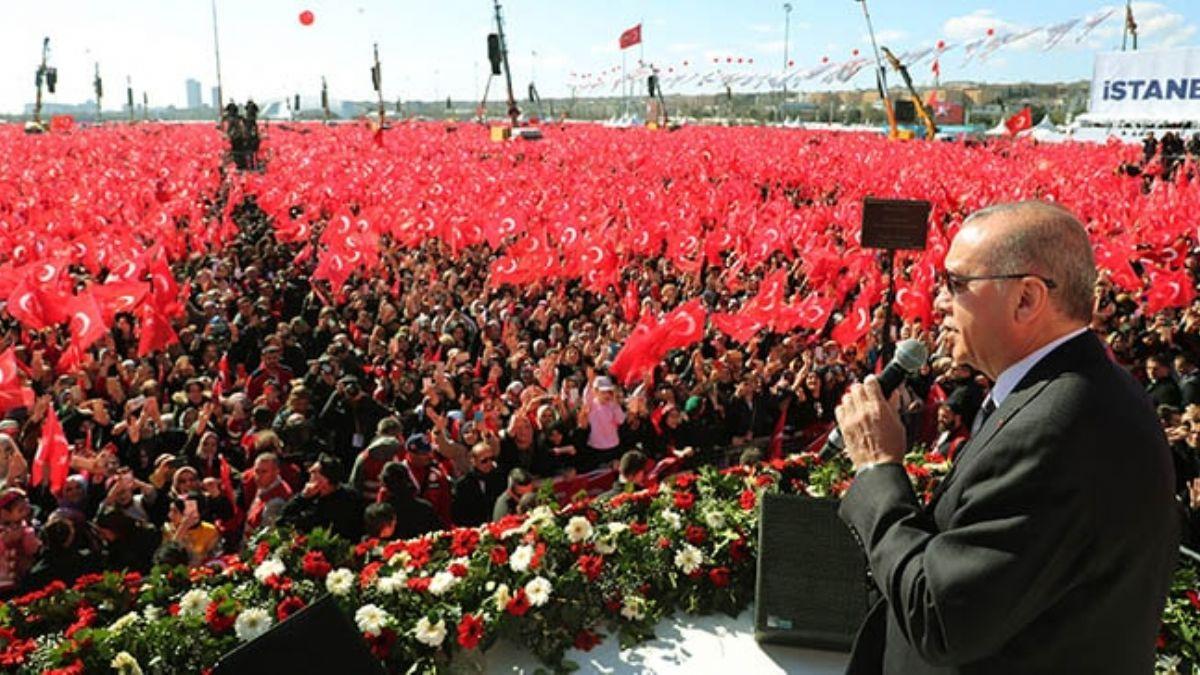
x=922, y=111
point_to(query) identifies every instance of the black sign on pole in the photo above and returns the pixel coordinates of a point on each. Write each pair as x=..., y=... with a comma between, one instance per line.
x=895, y=224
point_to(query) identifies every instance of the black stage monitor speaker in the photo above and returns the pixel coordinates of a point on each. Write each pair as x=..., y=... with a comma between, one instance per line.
x=317, y=640
x=906, y=112
x=812, y=588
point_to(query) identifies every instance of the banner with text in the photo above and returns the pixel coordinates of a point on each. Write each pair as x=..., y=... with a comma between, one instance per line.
x=1162, y=85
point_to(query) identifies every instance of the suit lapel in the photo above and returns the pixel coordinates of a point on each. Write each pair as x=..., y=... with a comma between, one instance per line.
x=1030, y=386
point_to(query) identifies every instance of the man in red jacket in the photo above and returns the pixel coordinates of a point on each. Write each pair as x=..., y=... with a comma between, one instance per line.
x=431, y=484
x=270, y=494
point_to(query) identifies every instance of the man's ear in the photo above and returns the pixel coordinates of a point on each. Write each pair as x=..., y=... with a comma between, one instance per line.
x=1033, y=300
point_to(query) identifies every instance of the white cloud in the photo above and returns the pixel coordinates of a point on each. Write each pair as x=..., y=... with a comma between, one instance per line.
x=886, y=37
x=975, y=25
x=684, y=47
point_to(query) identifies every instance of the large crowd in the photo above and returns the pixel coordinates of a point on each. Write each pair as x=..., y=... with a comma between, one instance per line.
x=424, y=396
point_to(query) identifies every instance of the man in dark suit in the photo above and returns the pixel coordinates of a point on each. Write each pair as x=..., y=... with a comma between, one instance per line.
x=1050, y=546
x=476, y=492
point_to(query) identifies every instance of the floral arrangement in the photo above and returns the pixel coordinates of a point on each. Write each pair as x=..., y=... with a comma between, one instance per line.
x=558, y=578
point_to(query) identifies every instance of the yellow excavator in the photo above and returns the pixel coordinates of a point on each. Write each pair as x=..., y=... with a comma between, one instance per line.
x=922, y=111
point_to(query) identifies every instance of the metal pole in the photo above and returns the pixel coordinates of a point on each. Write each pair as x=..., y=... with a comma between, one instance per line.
x=379, y=89
x=513, y=111
x=878, y=62
x=37, y=105
x=97, y=85
x=787, y=23
x=217, y=53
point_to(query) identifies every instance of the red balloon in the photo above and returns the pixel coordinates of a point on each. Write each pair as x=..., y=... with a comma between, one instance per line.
x=824, y=59
x=685, y=63
x=991, y=32
x=941, y=44
x=791, y=63
x=306, y=17
x=854, y=53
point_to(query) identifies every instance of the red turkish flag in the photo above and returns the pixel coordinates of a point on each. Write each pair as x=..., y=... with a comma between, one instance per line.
x=1020, y=122
x=87, y=323
x=1169, y=289
x=631, y=37
x=854, y=327
x=26, y=306
x=156, y=331
x=684, y=326
x=53, y=453
x=12, y=393
x=119, y=296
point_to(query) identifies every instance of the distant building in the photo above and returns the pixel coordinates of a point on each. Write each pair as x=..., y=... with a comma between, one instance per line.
x=193, y=94
x=216, y=98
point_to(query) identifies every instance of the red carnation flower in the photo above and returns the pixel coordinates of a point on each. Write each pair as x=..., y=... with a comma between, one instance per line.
x=538, y=552
x=763, y=479
x=217, y=620
x=747, y=500
x=419, y=584
x=261, y=553
x=459, y=570
x=613, y=605
x=1194, y=598
x=586, y=640
x=499, y=555
x=518, y=604
x=684, y=500
x=315, y=565
x=695, y=534
x=463, y=542
x=738, y=550
x=288, y=606
x=685, y=480
x=639, y=528
x=591, y=566
x=381, y=645
x=470, y=631
x=664, y=543
x=719, y=576
x=367, y=576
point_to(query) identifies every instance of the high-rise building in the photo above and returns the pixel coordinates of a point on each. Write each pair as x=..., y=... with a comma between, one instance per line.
x=193, y=94
x=216, y=98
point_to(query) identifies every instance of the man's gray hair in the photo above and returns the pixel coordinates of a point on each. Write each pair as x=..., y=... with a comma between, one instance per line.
x=1051, y=242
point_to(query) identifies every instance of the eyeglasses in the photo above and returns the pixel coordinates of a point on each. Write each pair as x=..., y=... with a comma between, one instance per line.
x=957, y=283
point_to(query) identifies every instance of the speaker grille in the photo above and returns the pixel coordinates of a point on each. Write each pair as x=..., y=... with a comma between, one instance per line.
x=812, y=586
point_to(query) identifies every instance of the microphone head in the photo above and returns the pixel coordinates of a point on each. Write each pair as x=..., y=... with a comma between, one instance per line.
x=911, y=355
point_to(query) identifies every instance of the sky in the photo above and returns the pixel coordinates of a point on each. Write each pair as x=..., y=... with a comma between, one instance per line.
x=431, y=50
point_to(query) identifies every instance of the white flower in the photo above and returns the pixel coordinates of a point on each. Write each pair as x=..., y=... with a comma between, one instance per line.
x=688, y=559
x=604, y=547
x=815, y=491
x=442, y=582
x=634, y=608
x=271, y=567
x=538, y=591
x=501, y=597
x=539, y=516
x=673, y=519
x=714, y=519
x=194, y=603
x=520, y=559
x=152, y=613
x=489, y=586
x=617, y=528
x=125, y=622
x=371, y=619
x=428, y=633
x=579, y=529
x=125, y=664
x=340, y=581
x=392, y=583
x=251, y=623
x=401, y=559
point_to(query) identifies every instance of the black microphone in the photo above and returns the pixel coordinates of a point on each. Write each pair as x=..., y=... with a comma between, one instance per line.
x=909, y=357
